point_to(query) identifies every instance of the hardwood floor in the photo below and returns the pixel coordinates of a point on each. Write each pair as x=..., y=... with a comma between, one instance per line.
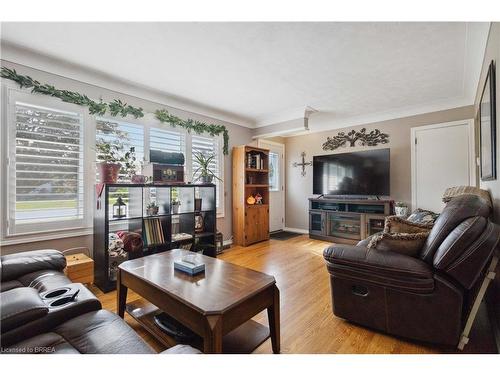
x=307, y=322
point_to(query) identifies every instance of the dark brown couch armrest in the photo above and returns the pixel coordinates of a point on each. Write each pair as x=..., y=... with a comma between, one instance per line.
x=379, y=267
x=19, y=264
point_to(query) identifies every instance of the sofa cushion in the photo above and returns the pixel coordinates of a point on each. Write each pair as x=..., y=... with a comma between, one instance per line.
x=102, y=332
x=44, y=280
x=19, y=264
x=19, y=306
x=11, y=284
x=97, y=332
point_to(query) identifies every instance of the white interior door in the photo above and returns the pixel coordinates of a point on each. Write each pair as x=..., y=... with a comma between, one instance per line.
x=276, y=184
x=442, y=157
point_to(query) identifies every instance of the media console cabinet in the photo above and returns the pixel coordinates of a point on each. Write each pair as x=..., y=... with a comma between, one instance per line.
x=347, y=220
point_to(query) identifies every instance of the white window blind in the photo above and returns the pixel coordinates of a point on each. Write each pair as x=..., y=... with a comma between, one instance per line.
x=166, y=140
x=121, y=133
x=207, y=146
x=48, y=168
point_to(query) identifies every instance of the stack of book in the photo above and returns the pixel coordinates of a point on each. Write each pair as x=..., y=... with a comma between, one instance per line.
x=255, y=161
x=153, y=232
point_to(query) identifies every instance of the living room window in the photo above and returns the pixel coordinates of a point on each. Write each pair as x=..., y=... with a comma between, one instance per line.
x=50, y=161
x=207, y=146
x=45, y=166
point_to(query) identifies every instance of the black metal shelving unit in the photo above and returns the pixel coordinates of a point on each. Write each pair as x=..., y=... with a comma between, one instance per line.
x=136, y=198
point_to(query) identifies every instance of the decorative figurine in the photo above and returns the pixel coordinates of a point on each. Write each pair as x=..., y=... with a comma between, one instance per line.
x=258, y=199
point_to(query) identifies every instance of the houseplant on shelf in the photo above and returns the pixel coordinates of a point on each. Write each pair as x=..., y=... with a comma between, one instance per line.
x=175, y=205
x=152, y=209
x=108, y=156
x=204, y=173
x=111, y=161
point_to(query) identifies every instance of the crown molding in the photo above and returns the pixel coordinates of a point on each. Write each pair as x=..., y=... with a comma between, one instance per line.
x=23, y=56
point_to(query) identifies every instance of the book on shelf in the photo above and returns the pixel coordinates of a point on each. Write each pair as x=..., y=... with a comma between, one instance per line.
x=153, y=232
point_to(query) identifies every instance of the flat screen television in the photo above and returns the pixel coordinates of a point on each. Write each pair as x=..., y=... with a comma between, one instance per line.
x=354, y=173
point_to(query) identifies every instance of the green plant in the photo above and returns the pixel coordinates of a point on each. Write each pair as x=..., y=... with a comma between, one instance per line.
x=112, y=153
x=204, y=160
x=152, y=205
x=401, y=204
x=129, y=163
x=108, y=153
x=176, y=202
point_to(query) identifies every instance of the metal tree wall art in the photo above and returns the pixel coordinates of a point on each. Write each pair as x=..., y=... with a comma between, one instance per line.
x=373, y=138
x=303, y=164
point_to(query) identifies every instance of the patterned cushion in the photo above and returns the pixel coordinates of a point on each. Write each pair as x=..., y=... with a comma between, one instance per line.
x=420, y=216
x=400, y=236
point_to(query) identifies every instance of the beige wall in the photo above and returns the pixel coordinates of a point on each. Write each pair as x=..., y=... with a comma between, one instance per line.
x=237, y=135
x=492, y=53
x=299, y=188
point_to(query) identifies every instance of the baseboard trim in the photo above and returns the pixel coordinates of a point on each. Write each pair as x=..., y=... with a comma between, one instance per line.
x=296, y=230
x=227, y=244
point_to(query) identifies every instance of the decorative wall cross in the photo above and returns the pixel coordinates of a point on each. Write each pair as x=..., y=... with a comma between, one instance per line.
x=303, y=164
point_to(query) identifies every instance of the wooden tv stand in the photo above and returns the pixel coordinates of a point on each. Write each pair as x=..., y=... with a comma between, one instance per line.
x=347, y=220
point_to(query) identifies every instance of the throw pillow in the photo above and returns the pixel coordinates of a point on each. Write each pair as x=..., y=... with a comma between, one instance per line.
x=401, y=236
x=423, y=216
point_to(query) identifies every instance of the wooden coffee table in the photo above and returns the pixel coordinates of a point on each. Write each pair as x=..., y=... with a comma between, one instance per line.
x=217, y=305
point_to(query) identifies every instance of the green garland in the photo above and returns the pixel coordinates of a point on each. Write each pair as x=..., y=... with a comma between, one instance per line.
x=115, y=108
x=194, y=125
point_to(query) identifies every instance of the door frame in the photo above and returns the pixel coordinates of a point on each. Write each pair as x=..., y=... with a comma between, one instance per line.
x=471, y=151
x=262, y=143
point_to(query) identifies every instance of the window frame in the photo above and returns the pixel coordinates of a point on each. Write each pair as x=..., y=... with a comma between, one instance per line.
x=10, y=229
x=9, y=94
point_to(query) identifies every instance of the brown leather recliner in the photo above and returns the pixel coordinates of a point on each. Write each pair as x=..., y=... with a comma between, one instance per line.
x=33, y=321
x=428, y=297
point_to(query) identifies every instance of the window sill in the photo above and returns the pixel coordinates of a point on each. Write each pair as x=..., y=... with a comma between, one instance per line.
x=45, y=236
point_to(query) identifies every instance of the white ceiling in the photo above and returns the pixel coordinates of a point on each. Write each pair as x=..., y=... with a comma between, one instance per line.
x=262, y=73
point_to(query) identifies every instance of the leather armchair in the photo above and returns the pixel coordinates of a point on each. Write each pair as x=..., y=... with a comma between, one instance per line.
x=40, y=269
x=427, y=297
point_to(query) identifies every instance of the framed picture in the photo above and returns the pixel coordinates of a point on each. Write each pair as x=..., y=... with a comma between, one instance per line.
x=487, y=127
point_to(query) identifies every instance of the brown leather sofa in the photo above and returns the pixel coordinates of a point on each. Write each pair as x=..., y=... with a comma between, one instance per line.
x=43, y=312
x=427, y=297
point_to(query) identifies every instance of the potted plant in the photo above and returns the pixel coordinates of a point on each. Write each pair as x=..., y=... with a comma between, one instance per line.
x=108, y=161
x=204, y=173
x=152, y=209
x=112, y=161
x=175, y=205
x=401, y=209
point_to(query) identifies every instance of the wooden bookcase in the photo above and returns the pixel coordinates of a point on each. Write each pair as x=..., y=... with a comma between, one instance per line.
x=177, y=226
x=250, y=221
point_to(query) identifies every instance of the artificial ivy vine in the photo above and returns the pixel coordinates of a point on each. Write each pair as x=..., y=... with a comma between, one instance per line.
x=194, y=125
x=115, y=108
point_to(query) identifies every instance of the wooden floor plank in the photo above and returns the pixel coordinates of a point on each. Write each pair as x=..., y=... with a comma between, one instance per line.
x=307, y=322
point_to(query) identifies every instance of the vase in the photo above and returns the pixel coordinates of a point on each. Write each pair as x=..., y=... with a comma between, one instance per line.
x=108, y=172
x=207, y=179
x=175, y=208
x=401, y=211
